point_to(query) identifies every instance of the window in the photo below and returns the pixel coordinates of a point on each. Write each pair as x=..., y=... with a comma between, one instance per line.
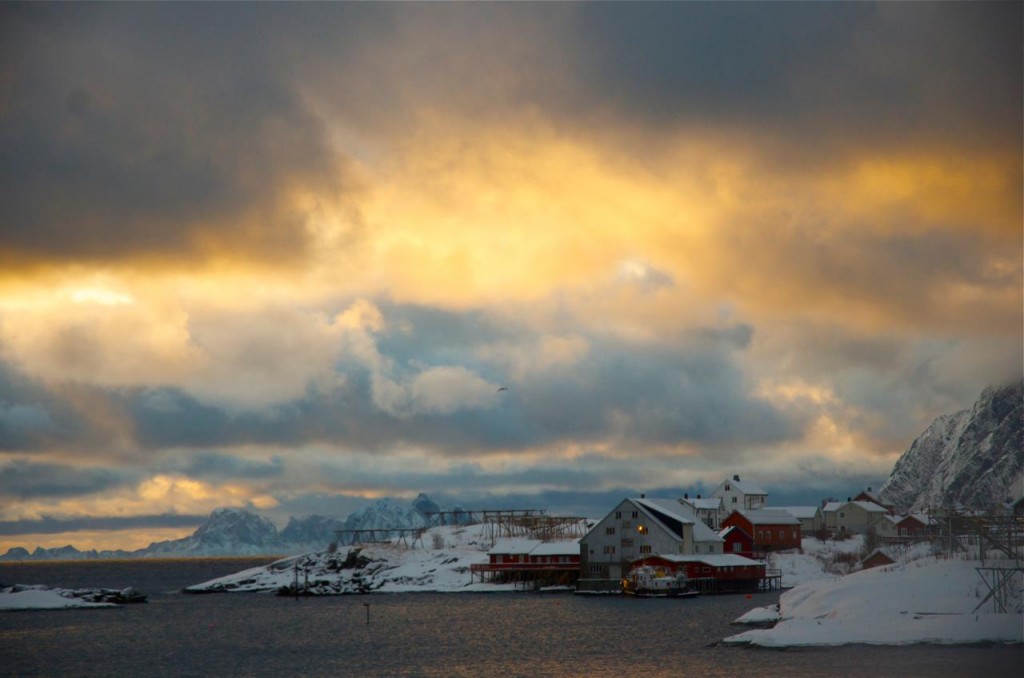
x=618, y=515
x=627, y=543
x=595, y=569
x=609, y=550
x=705, y=569
x=842, y=514
x=696, y=548
x=760, y=534
x=727, y=489
x=609, y=530
x=734, y=500
x=737, y=547
x=645, y=548
x=642, y=529
x=636, y=514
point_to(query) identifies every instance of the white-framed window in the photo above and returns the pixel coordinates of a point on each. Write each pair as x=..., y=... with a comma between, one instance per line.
x=595, y=569
x=646, y=548
x=609, y=550
x=609, y=530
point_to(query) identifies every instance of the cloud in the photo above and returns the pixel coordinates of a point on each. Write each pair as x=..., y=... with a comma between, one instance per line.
x=125, y=143
x=49, y=525
x=25, y=480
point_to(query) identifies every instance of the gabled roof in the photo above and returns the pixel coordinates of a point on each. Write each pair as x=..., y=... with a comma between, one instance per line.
x=514, y=546
x=724, y=533
x=704, y=503
x=557, y=548
x=744, y=486
x=805, y=512
x=671, y=509
x=869, y=506
x=832, y=506
x=768, y=516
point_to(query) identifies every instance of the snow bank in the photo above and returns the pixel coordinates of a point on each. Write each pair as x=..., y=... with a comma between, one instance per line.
x=927, y=600
x=385, y=568
x=41, y=598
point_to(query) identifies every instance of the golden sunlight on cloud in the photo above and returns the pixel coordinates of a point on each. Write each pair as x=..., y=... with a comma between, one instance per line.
x=160, y=493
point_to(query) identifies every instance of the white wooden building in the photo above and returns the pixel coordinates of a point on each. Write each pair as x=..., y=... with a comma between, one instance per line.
x=636, y=528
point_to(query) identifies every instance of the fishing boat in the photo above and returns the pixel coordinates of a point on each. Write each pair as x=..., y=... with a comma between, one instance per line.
x=653, y=582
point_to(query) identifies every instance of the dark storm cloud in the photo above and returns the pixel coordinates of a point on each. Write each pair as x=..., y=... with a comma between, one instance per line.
x=224, y=466
x=27, y=480
x=34, y=418
x=152, y=129
x=802, y=72
x=49, y=525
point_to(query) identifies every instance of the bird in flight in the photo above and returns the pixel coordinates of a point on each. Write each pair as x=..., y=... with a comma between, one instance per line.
x=502, y=388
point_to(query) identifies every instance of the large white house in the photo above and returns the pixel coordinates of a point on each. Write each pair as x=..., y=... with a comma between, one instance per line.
x=741, y=495
x=708, y=510
x=639, y=527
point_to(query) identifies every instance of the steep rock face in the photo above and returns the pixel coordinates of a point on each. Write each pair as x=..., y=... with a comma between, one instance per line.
x=226, y=532
x=385, y=514
x=314, y=531
x=973, y=458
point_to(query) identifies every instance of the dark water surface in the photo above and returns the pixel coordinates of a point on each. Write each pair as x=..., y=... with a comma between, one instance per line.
x=501, y=634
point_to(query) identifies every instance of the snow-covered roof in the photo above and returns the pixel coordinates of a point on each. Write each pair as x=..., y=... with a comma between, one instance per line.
x=514, y=546
x=716, y=559
x=745, y=486
x=729, y=529
x=832, y=506
x=557, y=548
x=768, y=517
x=799, y=511
x=669, y=507
x=704, y=503
x=869, y=506
x=672, y=509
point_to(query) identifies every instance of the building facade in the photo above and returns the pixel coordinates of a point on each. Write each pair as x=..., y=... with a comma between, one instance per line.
x=770, y=529
x=739, y=494
x=637, y=528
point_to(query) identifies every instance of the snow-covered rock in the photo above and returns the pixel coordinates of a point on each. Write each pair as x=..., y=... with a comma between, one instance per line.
x=36, y=597
x=972, y=458
x=386, y=568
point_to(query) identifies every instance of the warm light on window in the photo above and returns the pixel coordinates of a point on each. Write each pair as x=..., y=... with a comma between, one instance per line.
x=642, y=529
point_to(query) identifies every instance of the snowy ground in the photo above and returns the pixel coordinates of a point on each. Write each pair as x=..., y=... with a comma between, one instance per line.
x=42, y=598
x=921, y=599
x=384, y=568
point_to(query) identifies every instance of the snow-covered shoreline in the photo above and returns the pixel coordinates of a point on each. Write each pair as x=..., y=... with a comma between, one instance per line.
x=926, y=600
x=38, y=597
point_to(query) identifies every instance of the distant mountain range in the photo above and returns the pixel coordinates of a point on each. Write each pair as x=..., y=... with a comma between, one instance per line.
x=972, y=459
x=236, y=532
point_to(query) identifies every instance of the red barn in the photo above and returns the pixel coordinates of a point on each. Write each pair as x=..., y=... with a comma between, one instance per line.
x=877, y=558
x=770, y=529
x=737, y=541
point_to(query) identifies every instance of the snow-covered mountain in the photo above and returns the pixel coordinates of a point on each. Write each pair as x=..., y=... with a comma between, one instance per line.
x=237, y=532
x=226, y=532
x=973, y=458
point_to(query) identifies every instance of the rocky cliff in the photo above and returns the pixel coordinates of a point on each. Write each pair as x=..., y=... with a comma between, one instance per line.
x=973, y=458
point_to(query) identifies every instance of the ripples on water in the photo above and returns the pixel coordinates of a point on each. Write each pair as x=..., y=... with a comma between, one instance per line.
x=423, y=634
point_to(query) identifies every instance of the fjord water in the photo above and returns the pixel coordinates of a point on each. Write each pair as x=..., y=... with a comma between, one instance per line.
x=424, y=634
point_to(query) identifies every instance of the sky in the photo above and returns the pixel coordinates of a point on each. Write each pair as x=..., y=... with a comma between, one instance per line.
x=295, y=257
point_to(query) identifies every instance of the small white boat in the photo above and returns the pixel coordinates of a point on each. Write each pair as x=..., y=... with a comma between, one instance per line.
x=652, y=582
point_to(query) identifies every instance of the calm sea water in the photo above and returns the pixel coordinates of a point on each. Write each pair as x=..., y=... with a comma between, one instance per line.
x=501, y=634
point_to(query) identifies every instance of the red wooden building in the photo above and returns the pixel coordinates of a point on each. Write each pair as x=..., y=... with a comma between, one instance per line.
x=530, y=560
x=737, y=541
x=770, y=529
